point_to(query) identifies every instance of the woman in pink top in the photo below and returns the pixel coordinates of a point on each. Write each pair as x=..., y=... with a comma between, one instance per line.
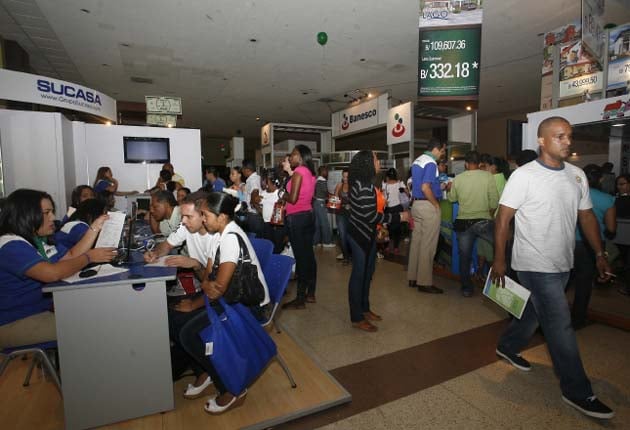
x=300, y=223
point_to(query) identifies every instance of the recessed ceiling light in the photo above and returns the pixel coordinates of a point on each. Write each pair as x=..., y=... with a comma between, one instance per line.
x=85, y=10
x=369, y=95
x=574, y=154
x=169, y=125
x=108, y=123
x=468, y=108
x=619, y=124
x=257, y=118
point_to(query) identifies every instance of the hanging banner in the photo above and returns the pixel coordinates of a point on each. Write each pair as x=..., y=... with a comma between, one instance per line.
x=449, y=62
x=29, y=88
x=163, y=105
x=265, y=135
x=442, y=13
x=619, y=58
x=593, y=28
x=400, y=124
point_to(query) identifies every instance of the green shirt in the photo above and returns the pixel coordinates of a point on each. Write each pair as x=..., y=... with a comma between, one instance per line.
x=476, y=192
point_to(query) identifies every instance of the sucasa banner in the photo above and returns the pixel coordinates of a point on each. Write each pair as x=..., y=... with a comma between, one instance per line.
x=25, y=87
x=369, y=114
x=400, y=124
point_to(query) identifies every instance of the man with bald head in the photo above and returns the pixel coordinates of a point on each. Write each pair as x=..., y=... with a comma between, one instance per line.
x=547, y=197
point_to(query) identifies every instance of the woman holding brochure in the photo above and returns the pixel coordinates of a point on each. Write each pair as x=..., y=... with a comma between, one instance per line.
x=29, y=259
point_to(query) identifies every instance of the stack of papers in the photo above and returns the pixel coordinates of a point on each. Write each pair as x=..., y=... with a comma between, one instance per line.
x=513, y=298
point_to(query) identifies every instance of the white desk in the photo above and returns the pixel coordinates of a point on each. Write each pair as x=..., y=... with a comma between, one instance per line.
x=114, y=351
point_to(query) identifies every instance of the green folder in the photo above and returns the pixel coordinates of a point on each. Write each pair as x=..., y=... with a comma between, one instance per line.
x=513, y=298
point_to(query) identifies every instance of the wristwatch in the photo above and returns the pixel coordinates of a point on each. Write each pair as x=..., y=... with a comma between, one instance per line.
x=602, y=254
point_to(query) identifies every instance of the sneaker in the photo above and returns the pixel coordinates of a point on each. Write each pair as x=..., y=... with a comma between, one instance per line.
x=329, y=245
x=515, y=360
x=592, y=407
x=340, y=256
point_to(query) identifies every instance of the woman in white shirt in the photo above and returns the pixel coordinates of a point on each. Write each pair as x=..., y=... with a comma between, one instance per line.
x=392, y=189
x=218, y=212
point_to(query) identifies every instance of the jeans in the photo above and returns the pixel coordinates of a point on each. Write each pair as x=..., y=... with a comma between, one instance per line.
x=363, y=265
x=301, y=228
x=465, y=241
x=323, y=233
x=584, y=270
x=342, y=228
x=548, y=307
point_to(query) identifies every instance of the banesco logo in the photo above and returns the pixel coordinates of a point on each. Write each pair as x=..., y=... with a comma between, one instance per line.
x=345, y=124
x=68, y=91
x=399, y=129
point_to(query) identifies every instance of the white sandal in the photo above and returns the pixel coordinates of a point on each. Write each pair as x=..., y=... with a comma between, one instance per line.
x=192, y=391
x=212, y=407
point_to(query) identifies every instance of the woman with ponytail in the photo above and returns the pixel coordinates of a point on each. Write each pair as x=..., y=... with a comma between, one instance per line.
x=300, y=223
x=218, y=214
x=365, y=215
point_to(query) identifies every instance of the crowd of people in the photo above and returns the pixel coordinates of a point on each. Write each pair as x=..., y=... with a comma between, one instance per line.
x=524, y=223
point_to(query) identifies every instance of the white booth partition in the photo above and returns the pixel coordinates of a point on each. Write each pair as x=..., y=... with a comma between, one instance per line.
x=47, y=152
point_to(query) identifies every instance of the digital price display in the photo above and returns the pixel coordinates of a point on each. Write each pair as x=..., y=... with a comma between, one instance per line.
x=449, y=62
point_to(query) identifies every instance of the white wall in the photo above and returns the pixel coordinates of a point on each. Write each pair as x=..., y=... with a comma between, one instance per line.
x=97, y=145
x=33, y=153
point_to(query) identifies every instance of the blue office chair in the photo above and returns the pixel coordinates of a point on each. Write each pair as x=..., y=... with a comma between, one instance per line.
x=277, y=272
x=251, y=235
x=39, y=355
x=263, y=249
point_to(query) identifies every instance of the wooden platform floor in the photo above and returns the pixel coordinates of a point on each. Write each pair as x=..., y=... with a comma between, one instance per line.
x=270, y=401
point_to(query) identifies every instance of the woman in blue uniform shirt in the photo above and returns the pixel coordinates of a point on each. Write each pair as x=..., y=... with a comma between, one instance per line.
x=28, y=260
x=79, y=223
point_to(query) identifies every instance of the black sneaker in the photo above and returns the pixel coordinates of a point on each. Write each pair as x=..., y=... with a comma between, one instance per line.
x=515, y=360
x=592, y=407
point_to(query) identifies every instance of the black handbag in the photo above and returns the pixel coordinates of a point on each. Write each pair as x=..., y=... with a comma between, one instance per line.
x=245, y=286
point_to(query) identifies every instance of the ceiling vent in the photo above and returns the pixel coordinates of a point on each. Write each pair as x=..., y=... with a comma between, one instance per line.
x=139, y=80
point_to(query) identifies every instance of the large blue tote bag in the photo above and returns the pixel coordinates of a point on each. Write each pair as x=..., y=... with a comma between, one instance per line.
x=237, y=345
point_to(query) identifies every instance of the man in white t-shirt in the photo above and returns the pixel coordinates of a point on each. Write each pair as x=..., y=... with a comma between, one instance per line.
x=547, y=196
x=201, y=245
x=255, y=223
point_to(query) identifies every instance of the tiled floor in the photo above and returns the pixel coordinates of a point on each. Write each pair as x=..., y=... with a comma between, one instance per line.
x=494, y=396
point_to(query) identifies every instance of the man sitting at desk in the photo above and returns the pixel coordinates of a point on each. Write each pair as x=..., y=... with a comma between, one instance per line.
x=164, y=215
x=201, y=248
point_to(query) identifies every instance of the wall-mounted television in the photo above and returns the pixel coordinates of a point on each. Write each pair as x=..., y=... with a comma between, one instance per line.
x=146, y=149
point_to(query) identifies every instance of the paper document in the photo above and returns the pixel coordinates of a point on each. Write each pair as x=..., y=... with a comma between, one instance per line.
x=160, y=262
x=101, y=271
x=513, y=298
x=111, y=231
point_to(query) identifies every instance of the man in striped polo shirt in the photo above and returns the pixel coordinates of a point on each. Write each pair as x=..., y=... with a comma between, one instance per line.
x=426, y=194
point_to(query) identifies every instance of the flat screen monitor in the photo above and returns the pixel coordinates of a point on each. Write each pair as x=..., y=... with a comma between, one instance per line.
x=146, y=150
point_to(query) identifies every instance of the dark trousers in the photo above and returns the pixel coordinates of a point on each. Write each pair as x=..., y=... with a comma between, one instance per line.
x=583, y=274
x=255, y=224
x=301, y=228
x=363, y=264
x=194, y=346
x=395, y=226
x=180, y=359
x=342, y=229
x=548, y=307
x=275, y=233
